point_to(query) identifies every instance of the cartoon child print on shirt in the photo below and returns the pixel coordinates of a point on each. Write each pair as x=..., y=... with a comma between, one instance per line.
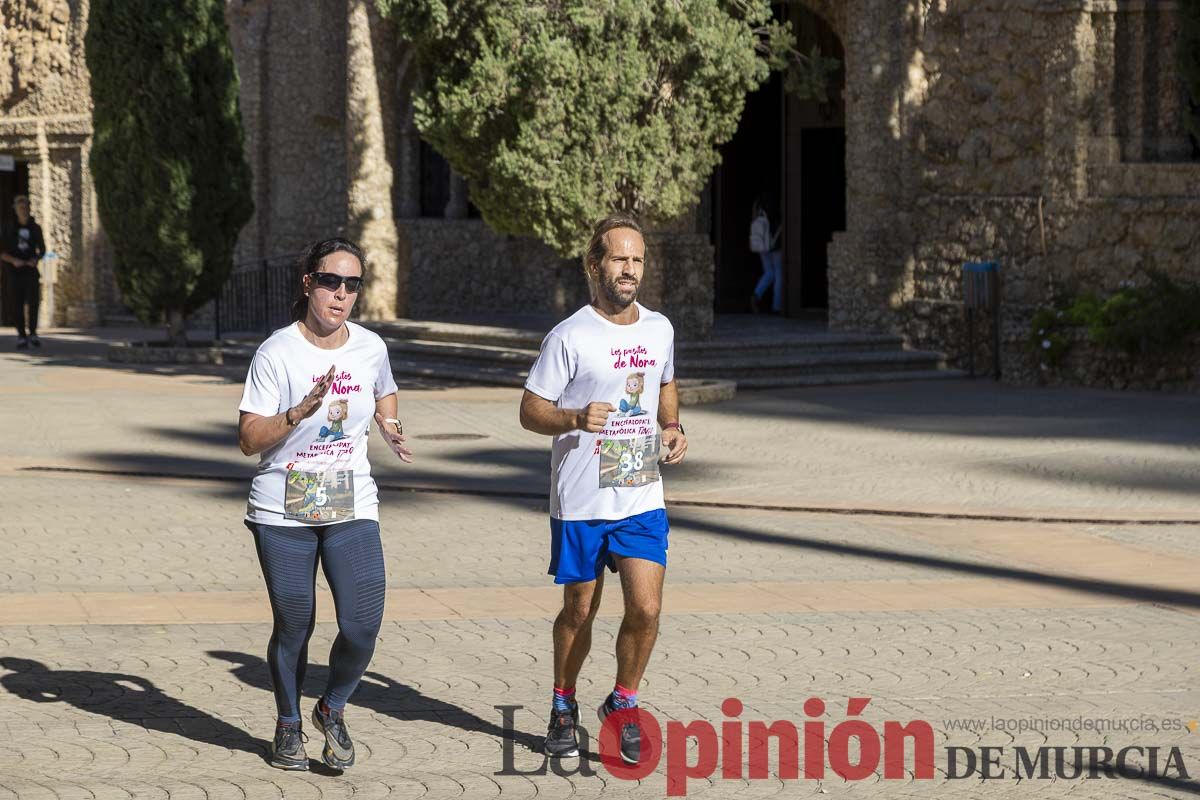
x=635, y=385
x=338, y=411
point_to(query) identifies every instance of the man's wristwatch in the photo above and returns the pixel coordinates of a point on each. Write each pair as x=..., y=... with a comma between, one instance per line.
x=287, y=417
x=674, y=426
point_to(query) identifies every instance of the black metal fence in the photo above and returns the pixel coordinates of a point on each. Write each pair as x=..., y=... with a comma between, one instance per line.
x=257, y=297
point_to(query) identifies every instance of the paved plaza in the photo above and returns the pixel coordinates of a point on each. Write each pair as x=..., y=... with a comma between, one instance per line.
x=1020, y=568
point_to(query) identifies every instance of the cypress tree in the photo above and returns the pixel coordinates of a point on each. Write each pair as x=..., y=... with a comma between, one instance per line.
x=167, y=159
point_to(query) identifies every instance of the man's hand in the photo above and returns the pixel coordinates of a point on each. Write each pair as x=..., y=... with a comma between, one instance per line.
x=312, y=401
x=676, y=444
x=395, y=439
x=593, y=418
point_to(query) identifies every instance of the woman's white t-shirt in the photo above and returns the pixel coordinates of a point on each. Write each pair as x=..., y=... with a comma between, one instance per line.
x=586, y=358
x=319, y=474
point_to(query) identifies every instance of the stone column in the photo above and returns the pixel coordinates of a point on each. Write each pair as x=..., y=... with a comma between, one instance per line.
x=456, y=207
x=408, y=140
x=1132, y=48
x=88, y=252
x=1106, y=144
x=868, y=277
x=369, y=188
x=1069, y=78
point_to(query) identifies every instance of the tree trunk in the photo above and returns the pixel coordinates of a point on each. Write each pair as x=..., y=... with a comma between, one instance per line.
x=176, y=328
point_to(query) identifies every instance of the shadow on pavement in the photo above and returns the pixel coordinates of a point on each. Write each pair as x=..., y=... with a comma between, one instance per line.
x=1129, y=591
x=382, y=695
x=982, y=410
x=125, y=698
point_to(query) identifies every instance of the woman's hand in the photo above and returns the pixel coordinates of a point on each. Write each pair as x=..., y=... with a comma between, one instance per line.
x=393, y=435
x=312, y=401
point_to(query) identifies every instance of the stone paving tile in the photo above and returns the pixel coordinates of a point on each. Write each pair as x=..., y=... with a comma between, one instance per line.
x=110, y=708
x=140, y=536
x=952, y=446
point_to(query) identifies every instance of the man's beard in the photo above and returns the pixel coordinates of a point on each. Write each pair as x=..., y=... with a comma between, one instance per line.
x=613, y=293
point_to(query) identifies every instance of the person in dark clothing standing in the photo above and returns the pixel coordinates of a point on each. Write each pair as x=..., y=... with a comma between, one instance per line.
x=23, y=248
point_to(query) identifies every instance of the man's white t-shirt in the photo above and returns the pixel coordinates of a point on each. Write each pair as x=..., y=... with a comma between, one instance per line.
x=586, y=358
x=326, y=452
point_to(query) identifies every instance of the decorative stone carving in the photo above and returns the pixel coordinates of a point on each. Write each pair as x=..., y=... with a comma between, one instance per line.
x=33, y=44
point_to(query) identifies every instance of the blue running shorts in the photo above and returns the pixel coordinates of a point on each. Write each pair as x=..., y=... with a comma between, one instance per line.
x=580, y=549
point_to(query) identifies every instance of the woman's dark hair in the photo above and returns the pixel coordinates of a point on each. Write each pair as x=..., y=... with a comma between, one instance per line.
x=310, y=261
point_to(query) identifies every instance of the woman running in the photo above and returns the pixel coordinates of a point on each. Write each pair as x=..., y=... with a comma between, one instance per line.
x=310, y=395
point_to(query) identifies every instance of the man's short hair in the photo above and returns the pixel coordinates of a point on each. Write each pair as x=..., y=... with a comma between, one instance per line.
x=21, y=198
x=597, y=247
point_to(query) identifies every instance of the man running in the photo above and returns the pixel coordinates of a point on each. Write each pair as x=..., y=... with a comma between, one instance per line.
x=599, y=373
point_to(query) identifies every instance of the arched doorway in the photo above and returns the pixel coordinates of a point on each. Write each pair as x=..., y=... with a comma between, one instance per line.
x=792, y=154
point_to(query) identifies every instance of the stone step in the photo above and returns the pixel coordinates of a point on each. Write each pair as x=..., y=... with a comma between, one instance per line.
x=845, y=378
x=691, y=391
x=774, y=365
x=465, y=335
x=725, y=365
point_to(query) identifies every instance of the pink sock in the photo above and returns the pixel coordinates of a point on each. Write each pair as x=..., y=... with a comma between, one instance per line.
x=624, y=698
x=563, y=698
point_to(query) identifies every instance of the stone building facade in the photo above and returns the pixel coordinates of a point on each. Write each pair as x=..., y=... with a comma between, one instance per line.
x=1045, y=135
x=46, y=129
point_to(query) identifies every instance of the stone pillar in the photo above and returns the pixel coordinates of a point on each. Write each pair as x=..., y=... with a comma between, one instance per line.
x=1069, y=78
x=868, y=276
x=1132, y=49
x=370, y=220
x=1106, y=144
x=409, y=164
x=456, y=207
x=85, y=311
x=408, y=140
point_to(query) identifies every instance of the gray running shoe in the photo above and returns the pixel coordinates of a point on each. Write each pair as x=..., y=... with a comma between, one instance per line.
x=287, y=750
x=22, y=343
x=631, y=733
x=561, y=739
x=35, y=341
x=338, y=752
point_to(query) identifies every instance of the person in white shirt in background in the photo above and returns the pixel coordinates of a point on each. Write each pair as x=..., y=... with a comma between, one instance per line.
x=763, y=242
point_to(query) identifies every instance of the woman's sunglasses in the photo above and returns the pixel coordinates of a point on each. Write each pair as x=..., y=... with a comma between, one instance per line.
x=331, y=281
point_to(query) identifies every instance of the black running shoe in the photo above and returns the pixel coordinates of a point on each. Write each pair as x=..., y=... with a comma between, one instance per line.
x=561, y=738
x=631, y=733
x=287, y=750
x=338, y=752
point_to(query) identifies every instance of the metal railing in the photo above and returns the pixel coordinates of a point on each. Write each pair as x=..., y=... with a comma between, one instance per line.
x=257, y=297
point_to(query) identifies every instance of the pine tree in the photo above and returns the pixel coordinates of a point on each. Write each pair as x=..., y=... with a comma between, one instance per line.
x=561, y=111
x=167, y=160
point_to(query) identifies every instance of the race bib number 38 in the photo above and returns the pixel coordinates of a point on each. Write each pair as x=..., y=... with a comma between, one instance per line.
x=319, y=496
x=629, y=462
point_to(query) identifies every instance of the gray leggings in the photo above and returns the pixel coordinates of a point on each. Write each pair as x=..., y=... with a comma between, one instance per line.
x=351, y=555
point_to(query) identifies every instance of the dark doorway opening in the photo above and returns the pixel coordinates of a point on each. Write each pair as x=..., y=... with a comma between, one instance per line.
x=791, y=153
x=751, y=167
x=822, y=212
x=12, y=183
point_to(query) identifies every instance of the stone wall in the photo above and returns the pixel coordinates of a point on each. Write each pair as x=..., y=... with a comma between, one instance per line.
x=461, y=267
x=46, y=125
x=1023, y=133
